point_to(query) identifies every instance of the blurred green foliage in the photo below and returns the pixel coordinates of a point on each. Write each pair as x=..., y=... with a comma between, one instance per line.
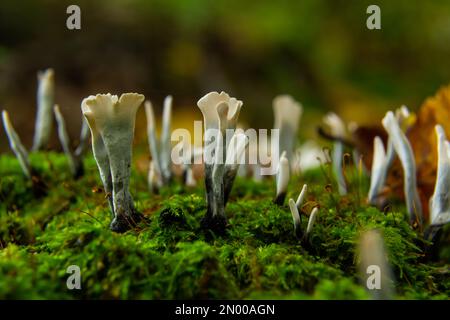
x=320, y=51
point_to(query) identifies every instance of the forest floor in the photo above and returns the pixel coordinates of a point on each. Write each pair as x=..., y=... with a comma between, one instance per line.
x=169, y=256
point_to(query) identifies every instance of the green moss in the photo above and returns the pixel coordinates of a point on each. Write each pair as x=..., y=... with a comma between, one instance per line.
x=170, y=256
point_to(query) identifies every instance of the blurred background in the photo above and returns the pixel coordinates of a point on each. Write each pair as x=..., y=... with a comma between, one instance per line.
x=318, y=51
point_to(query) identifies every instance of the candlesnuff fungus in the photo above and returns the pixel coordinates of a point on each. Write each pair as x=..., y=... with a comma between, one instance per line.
x=16, y=145
x=311, y=221
x=162, y=164
x=375, y=272
x=112, y=120
x=44, y=117
x=75, y=158
x=301, y=197
x=220, y=115
x=440, y=200
x=39, y=187
x=287, y=113
x=282, y=179
x=403, y=148
x=378, y=172
x=382, y=160
x=296, y=218
x=338, y=130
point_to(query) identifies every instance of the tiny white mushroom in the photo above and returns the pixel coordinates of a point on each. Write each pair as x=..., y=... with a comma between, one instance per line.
x=338, y=130
x=166, y=147
x=282, y=179
x=295, y=218
x=404, y=150
x=440, y=201
x=44, y=116
x=287, y=114
x=190, y=179
x=220, y=115
x=112, y=122
x=374, y=268
x=84, y=135
x=378, y=173
x=153, y=144
x=301, y=197
x=311, y=220
x=75, y=162
x=16, y=145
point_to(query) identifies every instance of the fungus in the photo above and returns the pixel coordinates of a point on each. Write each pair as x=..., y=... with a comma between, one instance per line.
x=403, y=148
x=220, y=114
x=338, y=130
x=440, y=200
x=301, y=196
x=75, y=158
x=161, y=151
x=287, y=114
x=374, y=269
x=378, y=172
x=44, y=117
x=282, y=179
x=112, y=121
x=296, y=218
x=16, y=145
x=311, y=221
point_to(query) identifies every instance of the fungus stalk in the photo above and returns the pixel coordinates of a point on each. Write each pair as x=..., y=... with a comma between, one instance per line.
x=287, y=113
x=440, y=200
x=338, y=130
x=44, y=117
x=403, y=148
x=75, y=158
x=282, y=179
x=16, y=145
x=378, y=172
x=375, y=271
x=161, y=152
x=220, y=114
x=112, y=121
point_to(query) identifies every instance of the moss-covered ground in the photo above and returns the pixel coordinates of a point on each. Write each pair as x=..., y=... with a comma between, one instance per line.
x=169, y=256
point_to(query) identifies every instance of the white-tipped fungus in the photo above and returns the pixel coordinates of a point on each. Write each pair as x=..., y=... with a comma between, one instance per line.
x=220, y=115
x=282, y=179
x=16, y=145
x=375, y=272
x=337, y=127
x=295, y=218
x=75, y=161
x=112, y=121
x=161, y=152
x=404, y=150
x=311, y=221
x=44, y=117
x=287, y=114
x=378, y=172
x=440, y=201
x=301, y=197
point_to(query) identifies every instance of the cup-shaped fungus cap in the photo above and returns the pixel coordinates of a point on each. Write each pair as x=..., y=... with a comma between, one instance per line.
x=109, y=111
x=209, y=105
